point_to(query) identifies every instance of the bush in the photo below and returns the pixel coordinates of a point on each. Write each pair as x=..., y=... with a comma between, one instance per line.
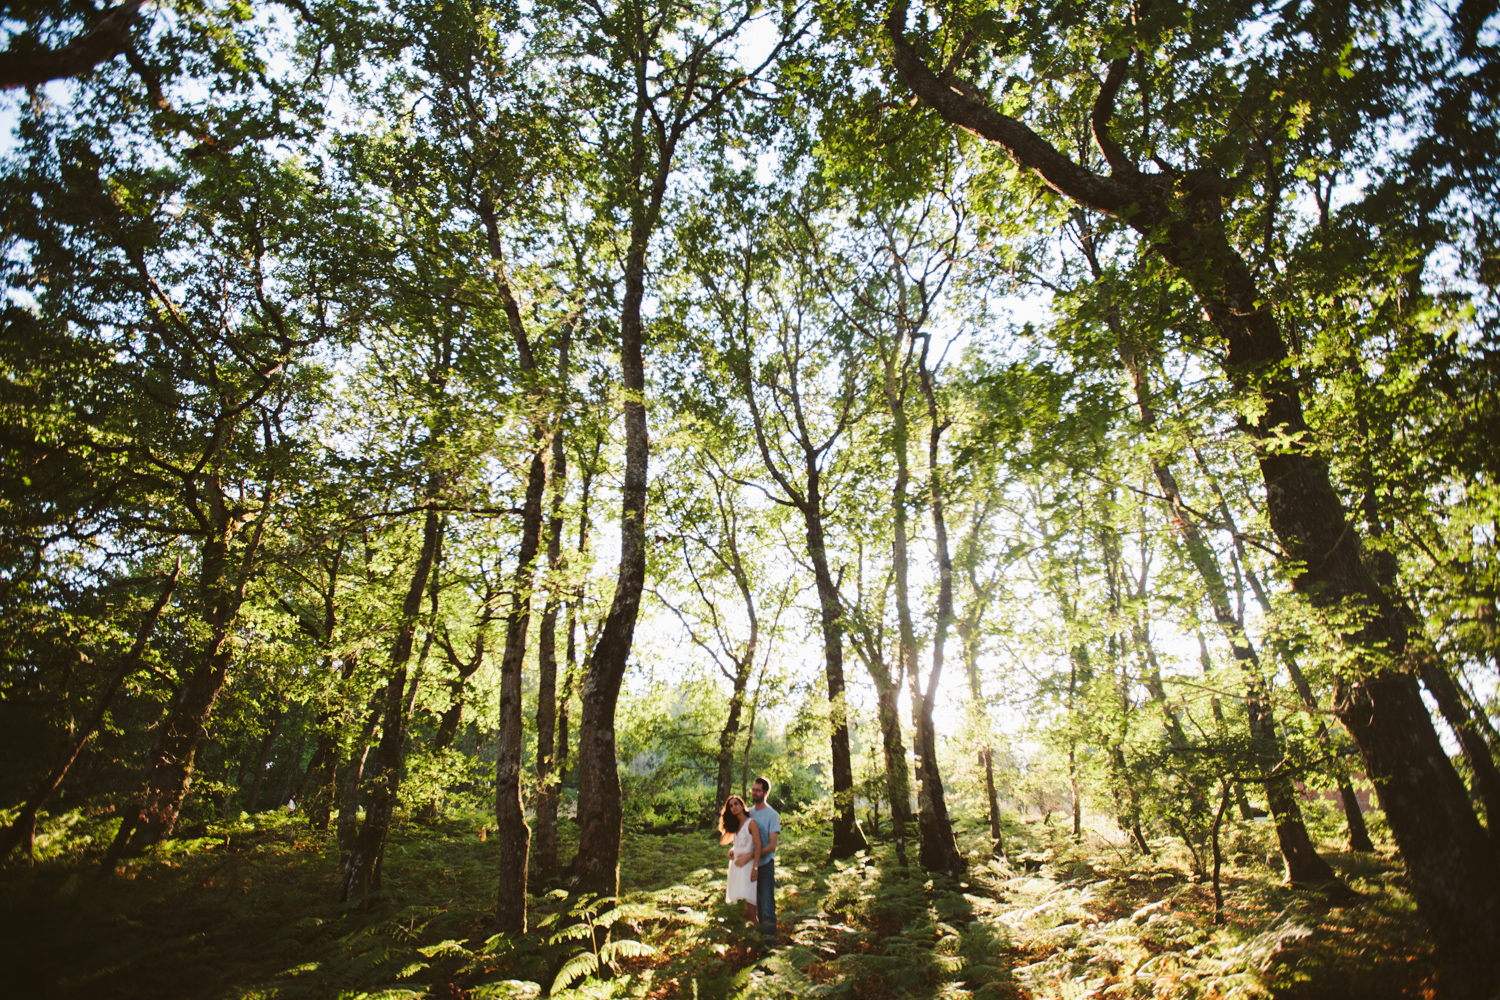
x=679, y=809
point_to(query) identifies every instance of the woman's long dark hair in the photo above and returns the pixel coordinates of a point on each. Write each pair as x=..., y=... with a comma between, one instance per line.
x=729, y=823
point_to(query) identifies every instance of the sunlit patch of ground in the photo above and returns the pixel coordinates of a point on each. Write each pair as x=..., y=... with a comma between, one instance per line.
x=248, y=911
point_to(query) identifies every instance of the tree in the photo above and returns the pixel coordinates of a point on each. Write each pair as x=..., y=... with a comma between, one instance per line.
x=1179, y=213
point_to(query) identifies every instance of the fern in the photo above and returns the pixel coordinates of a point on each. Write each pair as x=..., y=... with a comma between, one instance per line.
x=583, y=964
x=625, y=949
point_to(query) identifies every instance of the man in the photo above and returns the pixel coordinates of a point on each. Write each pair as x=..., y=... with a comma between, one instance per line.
x=765, y=875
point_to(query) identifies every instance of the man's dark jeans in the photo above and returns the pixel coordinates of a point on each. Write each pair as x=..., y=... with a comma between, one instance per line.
x=765, y=881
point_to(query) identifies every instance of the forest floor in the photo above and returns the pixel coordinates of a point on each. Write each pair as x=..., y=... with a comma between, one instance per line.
x=247, y=911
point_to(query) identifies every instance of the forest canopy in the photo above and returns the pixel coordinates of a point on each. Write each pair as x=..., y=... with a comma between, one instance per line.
x=1023, y=434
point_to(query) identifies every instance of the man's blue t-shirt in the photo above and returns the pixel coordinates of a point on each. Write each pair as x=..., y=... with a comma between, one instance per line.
x=769, y=822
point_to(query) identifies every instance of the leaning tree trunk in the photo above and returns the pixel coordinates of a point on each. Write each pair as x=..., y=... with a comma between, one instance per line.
x=361, y=872
x=1433, y=672
x=1359, y=833
x=1303, y=863
x=939, y=850
x=1453, y=866
x=169, y=769
x=22, y=830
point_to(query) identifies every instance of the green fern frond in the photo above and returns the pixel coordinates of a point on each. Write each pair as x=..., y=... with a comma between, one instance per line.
x=626, y=948
x=585, y=963
x=446, y=949
x=572, y=932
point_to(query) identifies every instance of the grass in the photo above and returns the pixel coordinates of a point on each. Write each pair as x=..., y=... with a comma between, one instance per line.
x=248, y=911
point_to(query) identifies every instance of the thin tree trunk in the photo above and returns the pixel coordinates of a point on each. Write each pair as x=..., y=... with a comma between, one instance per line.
x=970, y=642
x=294, y=773
x=888, y=688
x=728, y=737
x=22, y=830
x=354, y=776
x=169, y=769
x=848, y=839
x=510, y=815
x=548, y=768
x=1359, y=833
x=750, y=735
x=1073, y=679
x=939, y=850
x=1303, y=863
x=361, y=872
x=888, y=714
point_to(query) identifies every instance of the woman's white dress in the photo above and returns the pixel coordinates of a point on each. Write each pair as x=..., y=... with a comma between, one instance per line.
x=740, y=886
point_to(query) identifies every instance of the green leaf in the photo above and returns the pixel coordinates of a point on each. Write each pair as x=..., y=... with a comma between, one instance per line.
x=580, y=965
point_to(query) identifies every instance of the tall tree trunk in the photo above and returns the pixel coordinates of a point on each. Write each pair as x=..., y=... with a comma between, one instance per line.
x=1076, y=658
x=510, y=816
x=548, y=772
x=848, y=839
x=294, y=772
x=939, y=850
x=888, y=714
x=320, y=787
x=22, y=830
x=572, y=674
x=750, y=735
x=361, y=872
x=969, y=639
x=600, y=813
x=728, y=736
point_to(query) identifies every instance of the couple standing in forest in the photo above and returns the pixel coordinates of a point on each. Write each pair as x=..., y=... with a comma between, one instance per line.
x=751, y=835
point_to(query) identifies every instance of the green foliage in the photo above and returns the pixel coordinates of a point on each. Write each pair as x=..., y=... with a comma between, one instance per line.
x=242, y=911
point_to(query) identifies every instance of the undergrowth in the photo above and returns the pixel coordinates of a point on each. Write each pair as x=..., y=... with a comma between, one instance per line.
x=246, y=911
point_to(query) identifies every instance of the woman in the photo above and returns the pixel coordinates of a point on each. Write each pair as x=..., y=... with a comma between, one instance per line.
x=737, y=829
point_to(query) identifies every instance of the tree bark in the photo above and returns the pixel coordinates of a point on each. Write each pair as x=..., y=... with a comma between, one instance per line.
x=361, y=872
x=728, y=737
x=354, y=778
x=1454, y=870
x=548, y=771
x=967, y=629
x=596, y=869
x=151, y=818
x=510, y=815
x=939, y=847
x=868, y=643
x=848, y=839
x=107, y=38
